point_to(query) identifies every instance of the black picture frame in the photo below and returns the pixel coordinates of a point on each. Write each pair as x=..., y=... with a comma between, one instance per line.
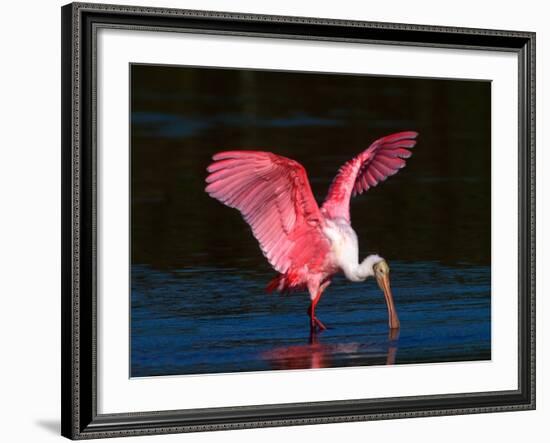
x=79, y=170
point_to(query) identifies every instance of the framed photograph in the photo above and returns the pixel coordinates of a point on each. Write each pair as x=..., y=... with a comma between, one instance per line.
x=273, y=221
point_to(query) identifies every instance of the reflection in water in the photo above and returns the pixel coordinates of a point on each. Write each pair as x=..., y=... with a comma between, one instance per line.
x=198, y=303
x=393, y=337
x=209, y=320
x=317, y=355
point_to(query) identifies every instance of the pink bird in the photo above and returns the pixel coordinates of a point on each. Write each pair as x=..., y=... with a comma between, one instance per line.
x=305, y=244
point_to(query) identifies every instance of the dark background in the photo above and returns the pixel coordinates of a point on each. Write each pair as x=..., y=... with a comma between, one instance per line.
x=431, y=221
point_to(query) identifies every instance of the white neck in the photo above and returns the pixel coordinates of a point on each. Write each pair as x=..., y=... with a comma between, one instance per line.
x=345, y=249
x=361, y=271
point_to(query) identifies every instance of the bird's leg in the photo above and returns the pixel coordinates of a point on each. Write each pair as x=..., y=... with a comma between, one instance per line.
x=315, y=323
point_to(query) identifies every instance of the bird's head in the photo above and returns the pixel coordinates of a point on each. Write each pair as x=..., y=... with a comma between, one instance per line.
x=381, y=272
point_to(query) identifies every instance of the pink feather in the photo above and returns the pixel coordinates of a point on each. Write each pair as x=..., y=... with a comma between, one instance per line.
x=382, y=159
x=274, y=196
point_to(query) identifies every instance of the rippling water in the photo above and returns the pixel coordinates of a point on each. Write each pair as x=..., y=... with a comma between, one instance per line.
x=220, y=320
x=198, y=303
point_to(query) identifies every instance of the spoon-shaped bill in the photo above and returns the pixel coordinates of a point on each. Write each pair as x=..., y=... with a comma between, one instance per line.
x=384, y=284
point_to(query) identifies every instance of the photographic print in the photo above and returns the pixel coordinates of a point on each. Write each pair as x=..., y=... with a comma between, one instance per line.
x=301, y=220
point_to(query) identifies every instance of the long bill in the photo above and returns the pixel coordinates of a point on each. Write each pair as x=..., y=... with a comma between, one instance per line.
x=384, y=283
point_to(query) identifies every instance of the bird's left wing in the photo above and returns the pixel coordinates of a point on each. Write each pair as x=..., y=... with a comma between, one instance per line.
x=274, y=196
x=385, y=157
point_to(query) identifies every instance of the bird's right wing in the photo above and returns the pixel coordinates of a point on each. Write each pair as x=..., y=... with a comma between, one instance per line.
x=274, y=196
x=385, y=157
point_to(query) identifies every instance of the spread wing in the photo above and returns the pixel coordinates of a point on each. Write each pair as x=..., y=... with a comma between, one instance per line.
x=274, y=196
x=385, y=157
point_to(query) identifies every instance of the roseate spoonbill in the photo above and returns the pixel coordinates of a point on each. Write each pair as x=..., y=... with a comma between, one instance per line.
x=306, y=244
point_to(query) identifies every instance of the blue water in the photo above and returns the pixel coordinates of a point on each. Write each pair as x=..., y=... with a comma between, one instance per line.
x=211, y=320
